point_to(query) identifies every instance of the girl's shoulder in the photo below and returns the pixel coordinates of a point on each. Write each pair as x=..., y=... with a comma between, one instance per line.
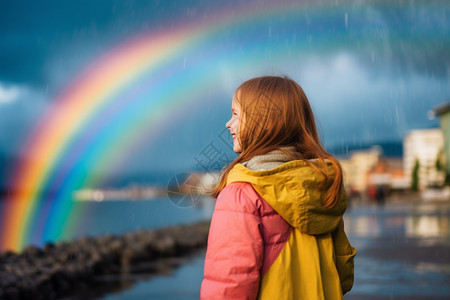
x=239, y=187
x=237, y=196
x=242, y=197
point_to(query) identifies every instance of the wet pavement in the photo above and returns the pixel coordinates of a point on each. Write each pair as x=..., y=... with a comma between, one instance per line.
x=403, y=253
x=403, y=249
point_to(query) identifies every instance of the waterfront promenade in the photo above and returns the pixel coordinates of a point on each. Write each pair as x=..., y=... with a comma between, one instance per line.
x=403, y=249
x=403, y=254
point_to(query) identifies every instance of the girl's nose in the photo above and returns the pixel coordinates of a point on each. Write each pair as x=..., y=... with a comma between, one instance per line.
x=228, y=124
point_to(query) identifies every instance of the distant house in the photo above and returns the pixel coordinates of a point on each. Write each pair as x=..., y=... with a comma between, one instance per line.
x=443, y=112
x=356, y=167
x=369, y=169
x=423, y=146
x=388, y=172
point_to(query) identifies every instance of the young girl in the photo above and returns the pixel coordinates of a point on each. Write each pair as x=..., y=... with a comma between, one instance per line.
x=277, y=230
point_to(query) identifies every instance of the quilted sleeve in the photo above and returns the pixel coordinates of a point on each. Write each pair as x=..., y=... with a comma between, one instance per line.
x=235, y=247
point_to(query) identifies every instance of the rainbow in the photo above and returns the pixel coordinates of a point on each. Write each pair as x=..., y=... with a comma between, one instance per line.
x=125, y=96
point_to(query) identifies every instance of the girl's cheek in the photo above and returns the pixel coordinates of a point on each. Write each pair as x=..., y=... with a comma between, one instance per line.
x=234, y=122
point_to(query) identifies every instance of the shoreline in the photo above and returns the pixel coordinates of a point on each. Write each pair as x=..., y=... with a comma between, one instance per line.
x=71, y=269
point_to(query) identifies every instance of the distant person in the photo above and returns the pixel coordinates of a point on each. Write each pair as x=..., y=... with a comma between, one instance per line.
x=381, y=195
x=277, y=229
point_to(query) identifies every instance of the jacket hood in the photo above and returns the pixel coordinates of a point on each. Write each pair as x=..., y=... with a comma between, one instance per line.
x=293, y=190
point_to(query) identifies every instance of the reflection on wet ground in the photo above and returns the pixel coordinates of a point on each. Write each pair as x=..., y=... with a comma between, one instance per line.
x=403, y=253
x=403, y=250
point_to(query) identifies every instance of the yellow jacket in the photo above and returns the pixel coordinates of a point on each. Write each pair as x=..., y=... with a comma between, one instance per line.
x=270, y=238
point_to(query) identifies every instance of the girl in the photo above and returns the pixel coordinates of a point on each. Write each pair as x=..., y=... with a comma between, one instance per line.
x=277, y=230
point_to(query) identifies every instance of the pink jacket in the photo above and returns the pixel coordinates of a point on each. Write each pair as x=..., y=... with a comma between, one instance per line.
x=271, y=239
x=236, y=259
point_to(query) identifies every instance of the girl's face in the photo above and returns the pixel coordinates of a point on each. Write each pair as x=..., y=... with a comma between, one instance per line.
x=233, y=124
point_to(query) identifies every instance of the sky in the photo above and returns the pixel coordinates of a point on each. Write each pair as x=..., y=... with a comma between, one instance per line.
x=371, y=69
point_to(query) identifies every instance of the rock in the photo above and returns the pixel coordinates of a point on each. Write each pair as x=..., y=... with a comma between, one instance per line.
x=12, y=293
x=32, y=252
x=61, y=269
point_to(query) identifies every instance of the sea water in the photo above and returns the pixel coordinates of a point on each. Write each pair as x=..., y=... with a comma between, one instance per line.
x=121, y=216
x=114, y=216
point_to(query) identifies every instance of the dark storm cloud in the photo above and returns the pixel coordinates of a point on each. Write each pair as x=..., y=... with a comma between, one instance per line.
x=407, y=37
x=32, y=32
x=371, y=68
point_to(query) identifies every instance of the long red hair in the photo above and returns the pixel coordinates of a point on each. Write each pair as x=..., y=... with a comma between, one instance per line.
x=276, y=113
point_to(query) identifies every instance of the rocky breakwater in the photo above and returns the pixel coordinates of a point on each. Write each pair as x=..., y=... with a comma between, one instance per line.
x=69, y=268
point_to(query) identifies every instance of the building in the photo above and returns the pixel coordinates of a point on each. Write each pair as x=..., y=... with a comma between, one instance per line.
x=443, y=112
x=388, y=172
x=368, y=170
x=357, y=166
x=424, y=146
